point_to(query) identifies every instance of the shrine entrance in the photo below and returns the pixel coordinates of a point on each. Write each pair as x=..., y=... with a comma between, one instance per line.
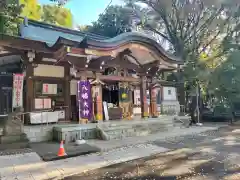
x=127, y=63
x=110, y=93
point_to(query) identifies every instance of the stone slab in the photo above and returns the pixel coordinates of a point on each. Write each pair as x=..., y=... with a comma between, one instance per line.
x=48, y=151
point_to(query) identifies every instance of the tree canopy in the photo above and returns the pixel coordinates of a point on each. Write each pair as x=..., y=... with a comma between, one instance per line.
x=195, y=31
x=54, y=14
x=31, y=9
x=114, y=21
x=12, y=10
x=9, y=12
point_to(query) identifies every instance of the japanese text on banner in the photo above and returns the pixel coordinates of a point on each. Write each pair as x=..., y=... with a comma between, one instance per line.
x=85, y=108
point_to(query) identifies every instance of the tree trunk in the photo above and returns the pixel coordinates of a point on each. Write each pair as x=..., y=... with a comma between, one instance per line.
x=232, y=119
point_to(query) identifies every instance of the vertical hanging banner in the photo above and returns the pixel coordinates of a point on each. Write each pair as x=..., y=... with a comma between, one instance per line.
x=17, y=96
x=84, y=100
x=137, y=97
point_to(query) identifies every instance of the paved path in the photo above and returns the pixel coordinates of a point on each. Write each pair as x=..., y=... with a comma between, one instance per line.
x=176, y=131
x=30, y=166
x=212, y=155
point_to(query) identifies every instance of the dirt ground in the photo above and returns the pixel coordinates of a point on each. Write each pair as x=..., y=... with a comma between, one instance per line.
x=213, y=155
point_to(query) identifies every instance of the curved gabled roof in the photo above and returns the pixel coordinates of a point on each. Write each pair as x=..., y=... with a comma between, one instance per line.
x=132, y=37
x=55, y=37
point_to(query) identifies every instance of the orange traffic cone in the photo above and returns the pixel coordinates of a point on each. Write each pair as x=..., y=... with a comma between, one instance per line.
x=61, y=151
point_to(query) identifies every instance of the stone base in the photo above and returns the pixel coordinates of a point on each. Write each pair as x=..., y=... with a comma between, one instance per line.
x=170, y=107
x=7, y=139
x=71, y=133
x=12, y=136
x=13, y=142
x=13, y=146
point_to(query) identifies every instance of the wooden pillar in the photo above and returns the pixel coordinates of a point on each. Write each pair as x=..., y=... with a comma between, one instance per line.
x=143, y=95
x=67, y=97
x=98, y=100
x=29, y=88
x=130, y=102
x=153, y=101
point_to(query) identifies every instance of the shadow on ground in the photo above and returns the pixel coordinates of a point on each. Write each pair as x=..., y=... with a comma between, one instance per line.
x=210, y=156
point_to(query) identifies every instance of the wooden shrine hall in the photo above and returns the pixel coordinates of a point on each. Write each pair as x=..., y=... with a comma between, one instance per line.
x=84, y=77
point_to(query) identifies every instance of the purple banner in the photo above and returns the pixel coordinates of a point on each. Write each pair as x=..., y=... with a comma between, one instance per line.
x=85, y=100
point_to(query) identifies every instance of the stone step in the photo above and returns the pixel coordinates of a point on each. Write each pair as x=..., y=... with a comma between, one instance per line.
x=137, y=126
x=134, y=130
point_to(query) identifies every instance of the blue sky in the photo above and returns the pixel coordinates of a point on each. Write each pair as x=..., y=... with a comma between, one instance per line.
x=86, y=11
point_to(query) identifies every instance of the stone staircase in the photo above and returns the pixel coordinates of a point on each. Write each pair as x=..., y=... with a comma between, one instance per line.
x=12, y=136
x=122, y=129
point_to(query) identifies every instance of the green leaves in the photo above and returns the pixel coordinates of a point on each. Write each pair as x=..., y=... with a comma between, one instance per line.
x=10, y=12
x=57, y=15
x=114, y=21
x=9, y=20
x=52, y=14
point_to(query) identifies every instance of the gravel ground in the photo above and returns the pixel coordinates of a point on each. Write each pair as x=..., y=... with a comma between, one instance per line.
x=213, y=155
x=15, y=151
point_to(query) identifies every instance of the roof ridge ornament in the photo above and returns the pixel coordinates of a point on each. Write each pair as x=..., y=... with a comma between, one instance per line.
x=97, y=81
x=25, y=21
x=31, y=56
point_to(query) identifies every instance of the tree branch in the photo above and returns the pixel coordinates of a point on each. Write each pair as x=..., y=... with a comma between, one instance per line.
x=206, y=23
x=159, y=33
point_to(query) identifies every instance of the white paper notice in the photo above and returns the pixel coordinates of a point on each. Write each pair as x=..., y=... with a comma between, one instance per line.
x=38, y=103
x=105, y=109
x=47, y=103
x=49, y=89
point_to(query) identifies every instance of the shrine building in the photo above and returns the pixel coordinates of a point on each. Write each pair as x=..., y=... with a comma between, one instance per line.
x=63, y=75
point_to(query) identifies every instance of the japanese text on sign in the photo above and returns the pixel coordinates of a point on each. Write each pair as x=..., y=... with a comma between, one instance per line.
x=17, y=100
x=84, y=98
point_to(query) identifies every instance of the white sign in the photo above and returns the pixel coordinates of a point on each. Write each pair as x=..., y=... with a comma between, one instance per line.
x=47, y=103
x=49, y=89
x=38, y=103
x=169, y=93
x=17, y=97
x=105, y=109
x=137, y=97
x=43, y=103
